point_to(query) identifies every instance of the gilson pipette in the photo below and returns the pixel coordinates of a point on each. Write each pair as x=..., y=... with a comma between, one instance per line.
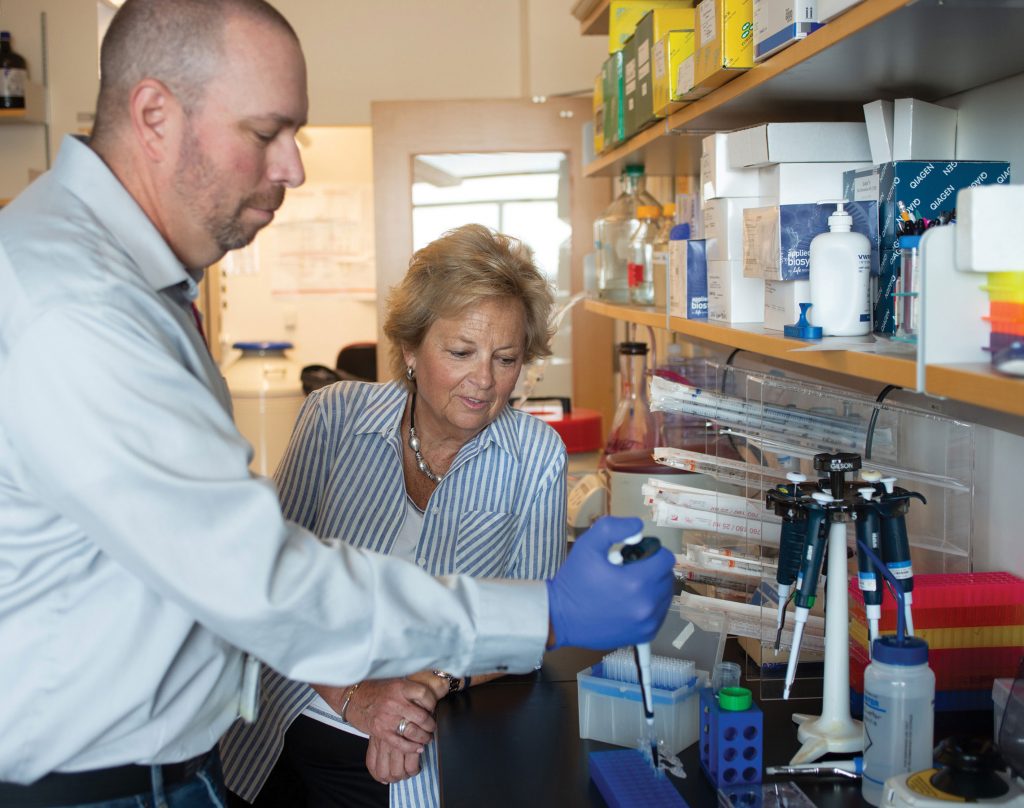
x=785, y=501
x=635, y=548
x=807, y=580
x=869, y=580
x=894, y=504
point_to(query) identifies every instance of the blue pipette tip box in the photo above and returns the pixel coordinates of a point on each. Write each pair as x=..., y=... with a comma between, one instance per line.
x=626, y=780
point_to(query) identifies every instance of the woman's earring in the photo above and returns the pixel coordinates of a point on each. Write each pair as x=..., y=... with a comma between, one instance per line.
x=410, y=374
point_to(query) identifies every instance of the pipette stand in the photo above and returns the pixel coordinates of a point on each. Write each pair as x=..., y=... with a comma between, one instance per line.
x=834, y=731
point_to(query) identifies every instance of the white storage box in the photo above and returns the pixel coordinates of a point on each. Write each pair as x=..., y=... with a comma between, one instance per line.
x=612, y=712
x=780, y=23
x=717, y=178
x=733, y=298
x=795, y=183
x=923, y=131
x=824, y=142
x=723, y=226
x=986, y=230
x=782, y=301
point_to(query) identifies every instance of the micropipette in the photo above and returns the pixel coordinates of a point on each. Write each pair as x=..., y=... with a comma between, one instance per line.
x=807, y=580
x=869, y=580
x=896, y=543
x=791, y=544
x=636, y=548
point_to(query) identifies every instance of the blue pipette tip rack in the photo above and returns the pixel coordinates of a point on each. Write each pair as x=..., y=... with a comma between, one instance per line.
x=802, y=329
x=626, y=780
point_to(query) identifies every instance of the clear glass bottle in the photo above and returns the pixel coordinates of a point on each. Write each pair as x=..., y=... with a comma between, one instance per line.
x=634, y=426
x=660, y=256
x=641, y=255
x=13, y=75
x=612, y=232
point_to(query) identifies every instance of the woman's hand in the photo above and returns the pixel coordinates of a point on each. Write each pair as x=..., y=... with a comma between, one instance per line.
x=387, y=765
x=379, y=706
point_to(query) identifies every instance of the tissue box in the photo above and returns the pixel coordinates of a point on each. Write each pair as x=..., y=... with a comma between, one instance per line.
x=732, y=298
x=723, y=226
x=782, y=301
x=777, y=239
x=612, y=711
x=717, y=178
x=794, y=183
x=780, y=23
x=651, y=29
x=825, y=142
x=669, y=53
x=925, y=188
x=688, y=270
x=724, y=45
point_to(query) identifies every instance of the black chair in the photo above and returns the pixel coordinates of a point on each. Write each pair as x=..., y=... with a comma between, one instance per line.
x=358, y=361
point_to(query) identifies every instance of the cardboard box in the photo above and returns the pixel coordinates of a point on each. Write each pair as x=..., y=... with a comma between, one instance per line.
x=717, y=178
x=799, y=183
x=732, y=298
x=614, y=104
x=623, y=16
x=723, y=226
x=777, y=238
x=725, y=47
x=825, y=142
x=782, y=301
x=924, y=188
x=688, y=287
x=923, y=131
x=652, y=28
x=780, y=23
x=598, y=108
x=669, y=53
x=629, y=86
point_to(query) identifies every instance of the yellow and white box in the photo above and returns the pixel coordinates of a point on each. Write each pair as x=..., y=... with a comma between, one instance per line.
x=598, y=108
x=725, y=42
x=669, y=54
x=623, y=15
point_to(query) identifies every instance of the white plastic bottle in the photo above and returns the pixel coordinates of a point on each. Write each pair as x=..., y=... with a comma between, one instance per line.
x=899, y=712
x=840, y=269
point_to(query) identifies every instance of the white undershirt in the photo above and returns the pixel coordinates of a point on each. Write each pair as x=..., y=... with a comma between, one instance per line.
x=404, y=547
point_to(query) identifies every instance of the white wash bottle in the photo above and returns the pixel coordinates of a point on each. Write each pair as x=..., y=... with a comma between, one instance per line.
x=840, y=270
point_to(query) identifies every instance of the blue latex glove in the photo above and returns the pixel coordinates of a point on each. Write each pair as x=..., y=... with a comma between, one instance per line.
x=593, y=603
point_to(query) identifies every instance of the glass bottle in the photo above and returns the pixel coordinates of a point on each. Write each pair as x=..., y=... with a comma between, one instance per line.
x=634, y=426
x=641, y=255
x=13, y=75
x=612, y=232
x=660, y=256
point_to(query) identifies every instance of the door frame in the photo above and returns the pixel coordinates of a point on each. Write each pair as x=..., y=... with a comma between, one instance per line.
x=402, y=130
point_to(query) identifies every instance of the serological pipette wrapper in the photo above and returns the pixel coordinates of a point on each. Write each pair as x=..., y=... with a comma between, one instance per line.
x=747, y=620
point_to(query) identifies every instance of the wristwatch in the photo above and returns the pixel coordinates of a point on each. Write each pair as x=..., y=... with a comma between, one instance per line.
x=454, y=682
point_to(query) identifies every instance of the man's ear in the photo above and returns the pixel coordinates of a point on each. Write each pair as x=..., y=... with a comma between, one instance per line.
x=156, y=118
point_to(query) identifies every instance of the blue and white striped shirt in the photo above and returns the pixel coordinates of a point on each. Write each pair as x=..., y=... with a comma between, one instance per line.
x=498, y=512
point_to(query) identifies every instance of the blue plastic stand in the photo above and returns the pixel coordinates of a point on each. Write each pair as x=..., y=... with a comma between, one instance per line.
x=731, y=742
x=626, y=779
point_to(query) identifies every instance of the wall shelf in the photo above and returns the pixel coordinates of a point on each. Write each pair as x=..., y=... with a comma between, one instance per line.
x=34, y=111
x=877, y=49
x=973, y=383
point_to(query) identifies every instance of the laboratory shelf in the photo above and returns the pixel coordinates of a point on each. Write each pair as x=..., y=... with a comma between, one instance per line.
x=878, y=49
x=755, y=338
x=976, y=383
x=34, y=111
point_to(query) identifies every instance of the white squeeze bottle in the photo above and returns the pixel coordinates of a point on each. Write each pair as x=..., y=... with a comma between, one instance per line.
x=840, y=269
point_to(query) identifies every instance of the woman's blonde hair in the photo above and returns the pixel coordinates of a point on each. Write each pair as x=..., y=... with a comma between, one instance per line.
x=461, y=269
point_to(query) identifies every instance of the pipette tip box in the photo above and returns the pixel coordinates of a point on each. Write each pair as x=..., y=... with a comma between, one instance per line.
x=626, y=779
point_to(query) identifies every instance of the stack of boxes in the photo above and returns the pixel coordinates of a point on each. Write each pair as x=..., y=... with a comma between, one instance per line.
x=973, y=624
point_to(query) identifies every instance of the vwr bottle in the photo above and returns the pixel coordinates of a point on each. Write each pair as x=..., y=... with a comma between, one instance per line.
x=612, y=234
x=840, y=271
x=899, y=712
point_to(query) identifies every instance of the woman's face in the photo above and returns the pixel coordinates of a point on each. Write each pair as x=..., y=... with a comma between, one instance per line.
x=467, y=367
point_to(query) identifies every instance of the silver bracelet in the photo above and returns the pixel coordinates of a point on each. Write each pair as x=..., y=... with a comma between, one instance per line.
x=347, y=699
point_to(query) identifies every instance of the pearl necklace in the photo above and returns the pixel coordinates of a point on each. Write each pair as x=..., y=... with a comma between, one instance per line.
x=414, y=444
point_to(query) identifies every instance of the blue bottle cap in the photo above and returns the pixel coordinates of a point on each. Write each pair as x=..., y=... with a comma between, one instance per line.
x=679, y=232
x=909, y=242
x=802, y=329
x=889, y=649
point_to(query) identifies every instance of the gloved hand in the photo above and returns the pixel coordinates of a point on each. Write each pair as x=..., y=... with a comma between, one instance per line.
x=593, y=603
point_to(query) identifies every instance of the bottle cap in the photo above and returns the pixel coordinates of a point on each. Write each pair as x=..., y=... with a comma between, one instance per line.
x=889, y=650
x=633, y=171
x=909, y=242
x=734, y=699
x=802, y=329
x=648, y=212
x=669, y=209
x=680, y=232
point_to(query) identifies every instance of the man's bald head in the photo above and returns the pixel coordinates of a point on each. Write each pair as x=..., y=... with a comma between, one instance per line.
x=177, y=42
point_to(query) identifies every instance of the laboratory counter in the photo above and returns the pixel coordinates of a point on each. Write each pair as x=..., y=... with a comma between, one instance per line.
x=515, y=742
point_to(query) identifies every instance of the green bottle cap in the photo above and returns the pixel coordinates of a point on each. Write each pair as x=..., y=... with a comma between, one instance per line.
x=734, y=699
